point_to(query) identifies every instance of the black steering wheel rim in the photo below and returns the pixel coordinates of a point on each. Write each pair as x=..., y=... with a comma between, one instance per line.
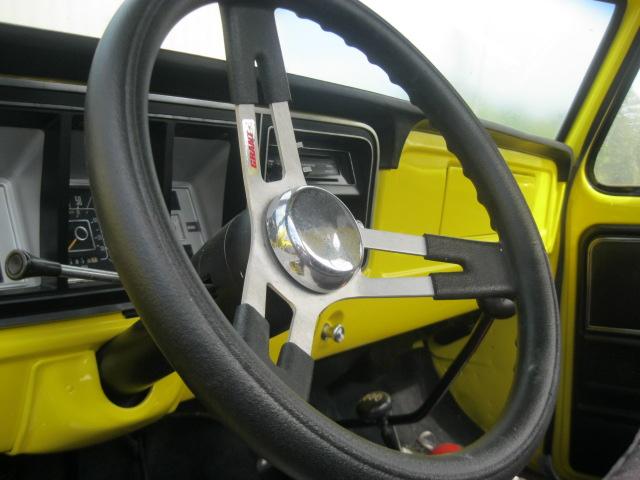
x=223, y=372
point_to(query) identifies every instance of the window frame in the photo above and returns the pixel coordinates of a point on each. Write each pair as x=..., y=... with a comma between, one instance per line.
x=593, y=69
x=616, y=95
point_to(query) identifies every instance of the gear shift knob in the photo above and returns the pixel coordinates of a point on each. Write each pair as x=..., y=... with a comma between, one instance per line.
x=374, y=406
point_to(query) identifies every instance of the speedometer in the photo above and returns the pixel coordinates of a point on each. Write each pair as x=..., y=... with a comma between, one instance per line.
x=85, y=242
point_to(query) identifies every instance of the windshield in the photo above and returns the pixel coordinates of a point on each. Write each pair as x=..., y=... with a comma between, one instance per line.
x=518, y=63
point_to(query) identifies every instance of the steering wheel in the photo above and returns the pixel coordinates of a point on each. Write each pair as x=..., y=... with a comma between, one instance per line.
x=307, y=246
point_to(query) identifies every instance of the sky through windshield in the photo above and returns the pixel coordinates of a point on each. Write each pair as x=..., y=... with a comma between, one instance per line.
x=516, y=62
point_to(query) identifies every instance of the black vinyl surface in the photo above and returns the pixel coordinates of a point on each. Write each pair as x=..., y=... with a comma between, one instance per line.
x=606, y=385
x=613, y=283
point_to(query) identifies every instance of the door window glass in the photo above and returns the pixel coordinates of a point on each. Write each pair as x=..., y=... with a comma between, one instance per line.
x=618, y=161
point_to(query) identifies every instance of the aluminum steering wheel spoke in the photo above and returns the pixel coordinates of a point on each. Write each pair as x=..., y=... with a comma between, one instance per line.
x=269, y=237
x=259, y=193
x=307, y=246
x=305, y=243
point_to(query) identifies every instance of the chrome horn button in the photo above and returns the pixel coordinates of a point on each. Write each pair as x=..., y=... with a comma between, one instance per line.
x=315, y=238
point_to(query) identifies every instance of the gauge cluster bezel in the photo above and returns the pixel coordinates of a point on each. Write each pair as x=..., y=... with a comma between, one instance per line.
x=56, y=111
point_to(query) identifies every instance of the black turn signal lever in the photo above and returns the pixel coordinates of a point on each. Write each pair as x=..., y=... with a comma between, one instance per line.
x=21, y=264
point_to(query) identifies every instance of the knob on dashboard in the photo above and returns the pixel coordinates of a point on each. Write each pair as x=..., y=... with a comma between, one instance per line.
x=21, y=264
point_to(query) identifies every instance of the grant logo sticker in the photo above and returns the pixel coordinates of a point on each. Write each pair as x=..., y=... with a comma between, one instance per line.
x=250, y=142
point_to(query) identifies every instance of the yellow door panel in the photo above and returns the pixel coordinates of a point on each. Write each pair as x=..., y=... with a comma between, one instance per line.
x=587, y=208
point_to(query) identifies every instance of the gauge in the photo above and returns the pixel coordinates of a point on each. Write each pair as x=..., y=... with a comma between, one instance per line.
x=85, y=242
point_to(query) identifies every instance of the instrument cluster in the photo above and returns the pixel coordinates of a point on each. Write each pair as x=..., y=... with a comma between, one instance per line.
x=85, y=242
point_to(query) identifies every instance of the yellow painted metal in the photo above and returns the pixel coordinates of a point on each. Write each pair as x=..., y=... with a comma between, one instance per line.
x=483, y=386
x=588, y=207
x=429, y=194
x=51, y=398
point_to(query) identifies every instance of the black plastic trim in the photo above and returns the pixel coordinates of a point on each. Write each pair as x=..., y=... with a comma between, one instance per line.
x=359, y=196
x=584, y=339
x=54, y=55
x=51, y=306
x=54, y=194
x=251, y=37
x=162, y=137
x=60, y=56
x=294, y=366
x=586, y=239
x=486, y=269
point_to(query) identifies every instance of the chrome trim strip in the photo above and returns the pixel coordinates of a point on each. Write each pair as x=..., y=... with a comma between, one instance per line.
x=41, y=105
x=76, y=88
x=41, y=84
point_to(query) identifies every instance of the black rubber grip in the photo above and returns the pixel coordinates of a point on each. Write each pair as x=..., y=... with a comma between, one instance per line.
x=250, y=37
x=295, y=367
x=486, y=271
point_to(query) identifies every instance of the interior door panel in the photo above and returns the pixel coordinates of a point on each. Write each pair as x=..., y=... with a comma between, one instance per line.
x=598, y=410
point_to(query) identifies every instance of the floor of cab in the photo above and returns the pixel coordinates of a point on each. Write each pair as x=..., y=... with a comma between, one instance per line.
x=191, y=444
x=187, y=444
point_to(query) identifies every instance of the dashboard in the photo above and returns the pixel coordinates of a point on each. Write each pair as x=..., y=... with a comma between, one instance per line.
x=350, y=142
x=46, y=203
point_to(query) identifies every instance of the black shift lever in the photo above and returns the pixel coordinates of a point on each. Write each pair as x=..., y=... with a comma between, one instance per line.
x=375, y=408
